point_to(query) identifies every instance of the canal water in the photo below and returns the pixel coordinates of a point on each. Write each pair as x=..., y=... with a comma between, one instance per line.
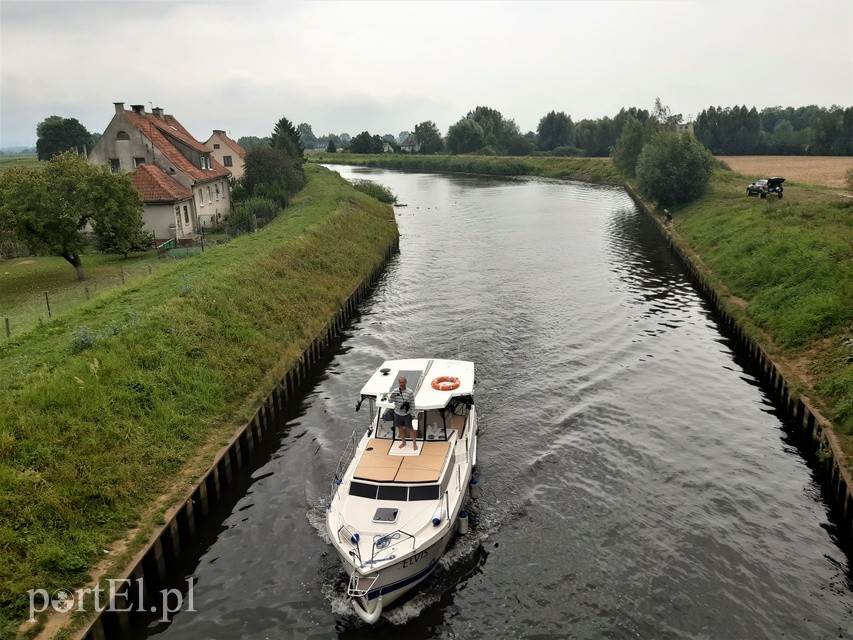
x=636, y=482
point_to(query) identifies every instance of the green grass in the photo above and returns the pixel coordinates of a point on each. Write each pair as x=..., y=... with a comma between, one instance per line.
x=24, y=282
x=102, y=408
x=23, y=160
x=586, y=169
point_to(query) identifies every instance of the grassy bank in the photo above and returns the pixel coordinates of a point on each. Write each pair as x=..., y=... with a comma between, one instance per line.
x=586, y=169
x=105, y=408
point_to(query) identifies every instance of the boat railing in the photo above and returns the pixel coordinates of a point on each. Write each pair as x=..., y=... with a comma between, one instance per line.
x=343, y=463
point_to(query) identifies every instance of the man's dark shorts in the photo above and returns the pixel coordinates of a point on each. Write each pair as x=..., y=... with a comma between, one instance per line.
x=403, y=421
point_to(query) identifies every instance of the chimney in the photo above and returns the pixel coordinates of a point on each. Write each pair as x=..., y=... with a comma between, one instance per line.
x=138, y=108
x=158, y=111
x=119, y=106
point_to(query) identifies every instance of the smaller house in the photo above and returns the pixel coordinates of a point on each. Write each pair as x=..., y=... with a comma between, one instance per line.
x=411, y=144
x=387, y=148
x=169, y=206
x=227, y=152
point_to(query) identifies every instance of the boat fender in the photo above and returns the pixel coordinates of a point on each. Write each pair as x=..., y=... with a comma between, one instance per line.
x=438, y=516
x=463, y=522
x=355, y=537
x=473, y=488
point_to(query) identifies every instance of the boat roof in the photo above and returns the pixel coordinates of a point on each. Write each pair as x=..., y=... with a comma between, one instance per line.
x=419, y=373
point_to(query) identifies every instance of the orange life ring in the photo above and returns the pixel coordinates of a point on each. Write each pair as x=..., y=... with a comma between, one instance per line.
x=445, y=383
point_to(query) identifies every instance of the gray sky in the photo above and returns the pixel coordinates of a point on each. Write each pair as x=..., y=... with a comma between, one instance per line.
x=386, y=66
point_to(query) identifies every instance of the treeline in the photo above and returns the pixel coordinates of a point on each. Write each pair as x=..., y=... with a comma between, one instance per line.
x=725, y=131
x=799, y=131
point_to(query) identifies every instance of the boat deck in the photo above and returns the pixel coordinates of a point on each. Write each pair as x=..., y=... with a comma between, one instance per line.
x=382, y=462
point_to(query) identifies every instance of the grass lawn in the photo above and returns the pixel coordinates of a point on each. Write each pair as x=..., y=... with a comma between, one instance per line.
x=23, y=160
x=24, y=282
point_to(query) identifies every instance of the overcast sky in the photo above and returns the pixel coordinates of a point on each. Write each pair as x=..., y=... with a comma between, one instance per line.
x=386, y=66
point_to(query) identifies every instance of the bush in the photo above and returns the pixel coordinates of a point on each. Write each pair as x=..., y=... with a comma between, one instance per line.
x=262, y=208
x=377, y=191
x=673, y=169
x=487, y=151
x=565, y=152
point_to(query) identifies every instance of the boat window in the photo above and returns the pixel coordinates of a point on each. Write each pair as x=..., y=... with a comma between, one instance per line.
x=429, y=492
x=362, y=490
x=393, y=493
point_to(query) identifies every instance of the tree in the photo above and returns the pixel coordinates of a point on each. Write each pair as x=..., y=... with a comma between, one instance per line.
x=673, y=169
x=286, y=138
x=520, y=146
x=429, y=137
x=628, y=147
x=254, y=142
x=465, y=136
x=271, y=173
x=366, y=143
x=331, y=148
x=306, y=136
x=48, y=208
x=401, y=138
x=555, y=130
x=117, y=217
x=497, y=131
x=56, y=135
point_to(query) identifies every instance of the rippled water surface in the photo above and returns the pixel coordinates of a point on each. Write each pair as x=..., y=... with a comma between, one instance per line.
x=636, y=482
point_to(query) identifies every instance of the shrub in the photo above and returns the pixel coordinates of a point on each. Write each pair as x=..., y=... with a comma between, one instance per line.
x=262, y=208
x=673, y=169
x=564, y=152
x=375, y=190
x=81, y=339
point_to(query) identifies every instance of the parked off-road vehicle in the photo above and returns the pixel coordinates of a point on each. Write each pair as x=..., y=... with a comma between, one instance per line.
x=762, y=188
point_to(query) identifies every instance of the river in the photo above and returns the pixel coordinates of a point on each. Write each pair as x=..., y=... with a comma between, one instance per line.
x=636, y=482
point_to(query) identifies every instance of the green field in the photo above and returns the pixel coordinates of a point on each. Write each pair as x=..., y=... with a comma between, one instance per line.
x=24, y=160
x=126, y=397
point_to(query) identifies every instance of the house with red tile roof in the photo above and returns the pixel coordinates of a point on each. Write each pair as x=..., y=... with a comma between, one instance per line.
x=177, y=164
x=227, y=152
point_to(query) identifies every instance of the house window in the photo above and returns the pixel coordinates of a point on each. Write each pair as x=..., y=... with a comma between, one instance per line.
x=226, y=160
x=217, y=193
x=138, y=161
x=200, y=198
x=115, y=165
x=186, y=215
x=122, y=135
x=209, y=199
x=215, y=145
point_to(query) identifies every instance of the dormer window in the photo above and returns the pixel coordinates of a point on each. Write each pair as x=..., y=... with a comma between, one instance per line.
x=122, y=135
x=205, y=162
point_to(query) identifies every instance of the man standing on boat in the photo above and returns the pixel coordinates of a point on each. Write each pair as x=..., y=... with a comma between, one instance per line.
x=404, y=404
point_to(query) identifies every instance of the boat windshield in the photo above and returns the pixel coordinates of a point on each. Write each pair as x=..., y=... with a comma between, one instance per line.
x=432, y=424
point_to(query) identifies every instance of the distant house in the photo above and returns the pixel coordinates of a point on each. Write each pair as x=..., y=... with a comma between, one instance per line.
x=135, y=138
x=387, y=148
x=227, y=152
x=684, y=127
x=411, y=144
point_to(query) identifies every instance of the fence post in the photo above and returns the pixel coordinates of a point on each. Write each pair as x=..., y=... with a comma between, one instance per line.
x=47, y=300
x=86, y=288
x=8, y=330
x=122, y=274
x=202, y=239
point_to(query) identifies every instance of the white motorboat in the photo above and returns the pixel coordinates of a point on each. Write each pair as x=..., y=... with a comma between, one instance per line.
x=394, y=509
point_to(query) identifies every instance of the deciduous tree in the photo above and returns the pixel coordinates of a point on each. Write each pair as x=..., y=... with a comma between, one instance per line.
x=465, y=136
x=48, y=208
x=271, y=173
x=555, y=130
x=429, y=137
x=366, y=143
x=57, y=135
x=673, y=169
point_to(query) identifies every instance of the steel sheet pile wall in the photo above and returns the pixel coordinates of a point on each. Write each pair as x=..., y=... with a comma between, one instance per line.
x=152, y=566
x=807, y=422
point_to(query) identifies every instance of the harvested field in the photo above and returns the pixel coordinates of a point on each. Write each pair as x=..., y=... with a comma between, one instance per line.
x=824, y=170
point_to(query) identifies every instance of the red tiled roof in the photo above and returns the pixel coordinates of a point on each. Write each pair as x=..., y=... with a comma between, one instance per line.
x=155, y=185
x=160, y=131
x=236, y=148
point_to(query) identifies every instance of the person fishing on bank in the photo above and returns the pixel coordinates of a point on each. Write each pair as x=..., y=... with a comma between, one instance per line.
x=404, y=401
